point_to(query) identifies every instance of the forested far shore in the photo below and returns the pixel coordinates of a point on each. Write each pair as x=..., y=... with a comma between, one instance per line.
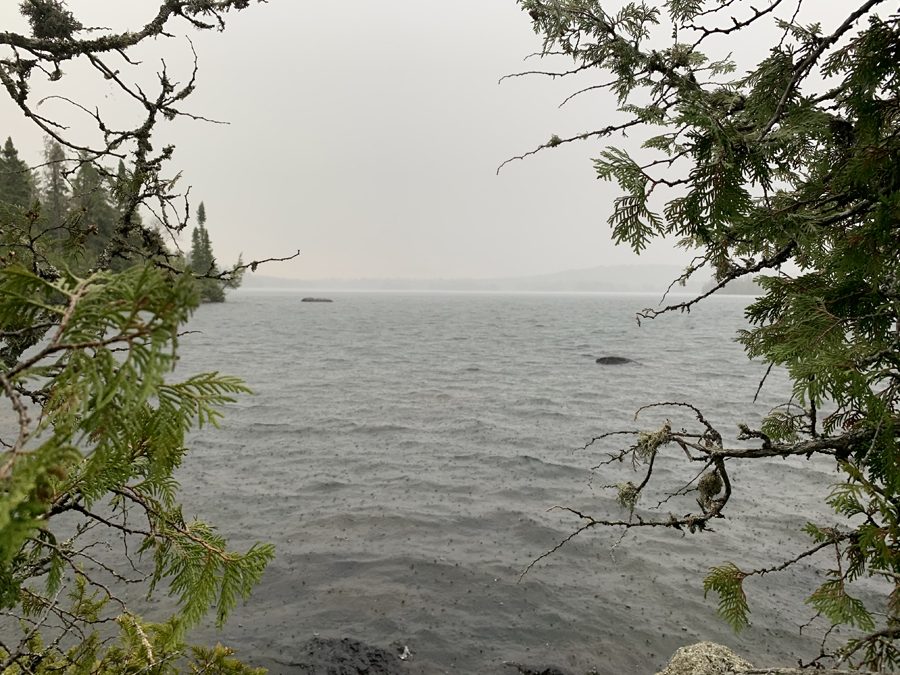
x=80, y=203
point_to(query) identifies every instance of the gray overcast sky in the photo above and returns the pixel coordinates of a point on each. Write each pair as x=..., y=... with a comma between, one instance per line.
x=367, y=135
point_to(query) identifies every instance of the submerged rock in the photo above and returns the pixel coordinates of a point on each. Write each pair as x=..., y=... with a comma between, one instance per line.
x=614, y=360
x=322, y=656
x=705, y=658
x=317, y=300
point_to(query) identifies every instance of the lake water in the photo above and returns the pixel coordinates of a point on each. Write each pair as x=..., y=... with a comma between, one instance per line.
x=402, y=450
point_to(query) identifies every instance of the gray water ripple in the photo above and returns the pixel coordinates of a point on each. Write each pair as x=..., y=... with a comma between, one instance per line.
x=402, y=450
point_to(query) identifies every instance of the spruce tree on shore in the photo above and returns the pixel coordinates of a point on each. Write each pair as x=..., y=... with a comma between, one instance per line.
x=15, y=182
x=56, y=193
x=203, y=262
x=90, y=194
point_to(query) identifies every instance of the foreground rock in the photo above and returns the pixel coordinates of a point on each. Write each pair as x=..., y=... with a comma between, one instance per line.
x=709, y=658
x=705, y=658
x=614, y=360
x=347, y=657
x=317, y=300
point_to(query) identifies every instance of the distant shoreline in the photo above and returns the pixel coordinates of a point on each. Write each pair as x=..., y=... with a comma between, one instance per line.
x=617, y=279
x=604, y=279
x=413, y=291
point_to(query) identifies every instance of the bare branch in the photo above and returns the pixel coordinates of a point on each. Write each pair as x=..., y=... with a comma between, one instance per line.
x=736, y=25
x=766, y=263
x=556, y=141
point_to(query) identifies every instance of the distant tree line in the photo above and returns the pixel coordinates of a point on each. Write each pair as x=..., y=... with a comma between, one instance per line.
x=741, y=286
x=78, y=201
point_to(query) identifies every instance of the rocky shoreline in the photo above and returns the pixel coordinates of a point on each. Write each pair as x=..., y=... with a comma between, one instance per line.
x=323, y=656
x=346, y=656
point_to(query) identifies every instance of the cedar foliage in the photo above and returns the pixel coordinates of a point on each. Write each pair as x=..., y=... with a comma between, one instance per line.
x=755, y=169
x=100, y=431
x=91, y=304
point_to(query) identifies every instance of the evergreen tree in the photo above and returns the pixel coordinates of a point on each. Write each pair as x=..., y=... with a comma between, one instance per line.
x=201, y=257
x=15, y=184
x=195, y=256
x=797, y=160
x=56, y=189
x=121, y=186
x=91, y=195
x=123, y=247
x=237, y=274
x=123, y=189
x=203, y=262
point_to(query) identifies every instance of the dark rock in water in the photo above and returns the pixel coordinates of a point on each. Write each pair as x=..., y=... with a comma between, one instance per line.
x=347, y=657
x=528, y=670
x=317, y=300
x=614, y=360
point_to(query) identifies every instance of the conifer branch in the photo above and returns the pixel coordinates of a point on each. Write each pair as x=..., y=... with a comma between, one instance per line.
x=779, y=258
x=804, y=67
x=736, y=25
x=107, y=424
x=556, y=141
x=835, y=537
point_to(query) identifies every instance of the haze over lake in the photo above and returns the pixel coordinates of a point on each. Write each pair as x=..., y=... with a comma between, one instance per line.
x=608, y=278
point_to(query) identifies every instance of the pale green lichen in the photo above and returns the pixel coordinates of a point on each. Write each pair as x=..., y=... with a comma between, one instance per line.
x=710, y=485
x=628, y=495
x=649, y=441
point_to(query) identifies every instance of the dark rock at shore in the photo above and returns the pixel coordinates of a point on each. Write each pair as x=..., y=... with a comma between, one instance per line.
x=322, y=656
x=317, y=300
x=614, y=360
x=529, y=670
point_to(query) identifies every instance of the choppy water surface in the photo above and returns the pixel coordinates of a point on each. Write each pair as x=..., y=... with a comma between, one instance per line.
x=402, y=450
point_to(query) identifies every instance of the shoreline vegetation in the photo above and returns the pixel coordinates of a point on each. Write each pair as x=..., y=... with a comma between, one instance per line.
x=80, y=204
x=762, y=170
